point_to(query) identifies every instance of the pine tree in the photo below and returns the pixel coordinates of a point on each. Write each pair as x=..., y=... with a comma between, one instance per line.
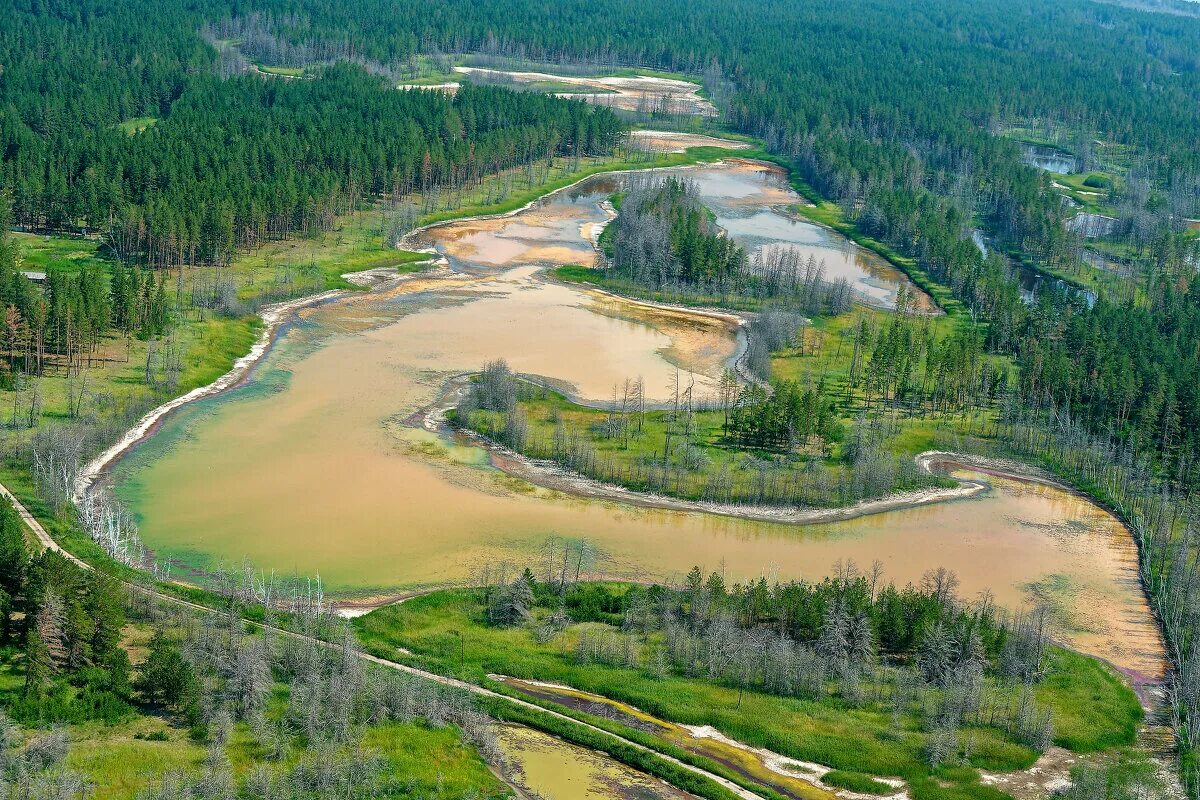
x=39, y=665
x=165, y=676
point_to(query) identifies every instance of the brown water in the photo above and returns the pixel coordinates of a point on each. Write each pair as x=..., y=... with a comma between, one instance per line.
x=751, y=201
x=308, y=468
x=552, y=769
x=786, y=776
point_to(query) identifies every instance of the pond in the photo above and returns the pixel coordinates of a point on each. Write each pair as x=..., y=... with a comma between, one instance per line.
x=309, y=466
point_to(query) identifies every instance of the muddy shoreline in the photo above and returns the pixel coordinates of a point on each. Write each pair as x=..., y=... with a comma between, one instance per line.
x=274, y=317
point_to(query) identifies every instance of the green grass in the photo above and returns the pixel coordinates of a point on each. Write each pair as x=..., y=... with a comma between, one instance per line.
x=434, y=761
x=286, y=72
x=830, y=215
x=826, y=350
x=1089, y=198
x=121, y=759
x=119, y=764
x=38, y=253
x=826, y=731
x=137, y=124
x=856, y=782
x=1093, y=709
x=624, y=461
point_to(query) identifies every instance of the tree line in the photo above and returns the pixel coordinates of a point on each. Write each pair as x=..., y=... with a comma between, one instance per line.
x=68, y=625
x=1128, y=371
x=237, y=162
x=59, y=326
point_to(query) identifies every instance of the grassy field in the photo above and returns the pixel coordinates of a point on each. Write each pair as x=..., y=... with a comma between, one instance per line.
x=635, y=461
x=286, y=72
x=37, y=253
x=120, y=760
x=1095, y=199
x=1094, y=709
x=137, y=124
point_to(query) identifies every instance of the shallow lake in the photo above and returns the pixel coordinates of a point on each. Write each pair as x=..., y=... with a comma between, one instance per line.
x=309, y=467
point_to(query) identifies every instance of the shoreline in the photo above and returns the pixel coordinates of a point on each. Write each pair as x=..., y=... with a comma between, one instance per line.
x=405, y=242
x=273, y=317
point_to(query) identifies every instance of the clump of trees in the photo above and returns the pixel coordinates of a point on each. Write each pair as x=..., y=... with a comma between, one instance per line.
x=786, y=418
x=35, y=766
x=767, y=333
x=58, y=327
x=783, y=272
x=214, y=674
x=68, y=625
x=208, y=671
x=664, y=237
x=777, y=433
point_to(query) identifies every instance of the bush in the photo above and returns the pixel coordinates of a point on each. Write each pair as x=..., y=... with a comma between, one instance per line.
x=1098, y=182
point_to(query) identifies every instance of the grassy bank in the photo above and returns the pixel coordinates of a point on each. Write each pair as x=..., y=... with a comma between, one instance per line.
x=1094, y=709
x=823, y=212
x=817, y=210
